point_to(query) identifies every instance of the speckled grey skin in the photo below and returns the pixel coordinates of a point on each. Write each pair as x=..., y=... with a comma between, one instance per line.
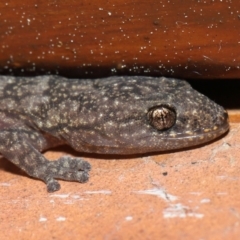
x=116, y=115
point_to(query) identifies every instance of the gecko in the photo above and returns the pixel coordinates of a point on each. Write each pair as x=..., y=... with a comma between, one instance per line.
x=114, y=115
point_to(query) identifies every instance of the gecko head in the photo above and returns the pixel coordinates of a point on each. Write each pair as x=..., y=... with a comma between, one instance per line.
x=146, y=114
x=194, y=121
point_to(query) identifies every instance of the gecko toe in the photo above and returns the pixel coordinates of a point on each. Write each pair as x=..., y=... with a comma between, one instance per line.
x=84, y=165
x=78, y=176
x=65, y=168
x=53, y=185
x=74, y=163
x=82, y=177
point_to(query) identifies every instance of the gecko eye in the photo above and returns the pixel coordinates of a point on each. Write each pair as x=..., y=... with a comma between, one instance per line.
x=162, y=117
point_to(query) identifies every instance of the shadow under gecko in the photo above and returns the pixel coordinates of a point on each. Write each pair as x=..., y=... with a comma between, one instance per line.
x=115, y=115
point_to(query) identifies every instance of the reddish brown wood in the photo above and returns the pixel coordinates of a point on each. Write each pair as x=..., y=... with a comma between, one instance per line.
x=188, y=39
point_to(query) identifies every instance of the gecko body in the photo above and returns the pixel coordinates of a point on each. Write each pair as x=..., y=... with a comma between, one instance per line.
x=116, y=115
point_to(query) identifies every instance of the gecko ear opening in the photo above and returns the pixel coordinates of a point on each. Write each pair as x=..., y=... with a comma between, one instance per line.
x=162, y=117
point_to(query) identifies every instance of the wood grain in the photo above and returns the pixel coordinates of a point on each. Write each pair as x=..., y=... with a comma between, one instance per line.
x=187, y=39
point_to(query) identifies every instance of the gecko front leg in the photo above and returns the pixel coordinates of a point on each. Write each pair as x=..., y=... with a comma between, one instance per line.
x=18, y=147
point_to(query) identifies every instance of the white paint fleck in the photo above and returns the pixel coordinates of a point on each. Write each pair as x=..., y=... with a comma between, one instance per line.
x=196, y=193
x=206, y=57
x=61, y=219
x=67, y=198
x=129, y=218
x=60, y=195
x=180, y=211
x=98, y=192
x=4, y=184
x=42, y=219
x=222, y=193
x=76, y=197
x=222, y=177
x=160, y=193
x=205, y=200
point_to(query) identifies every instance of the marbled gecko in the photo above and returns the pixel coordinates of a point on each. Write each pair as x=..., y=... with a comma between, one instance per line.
x=116, y=115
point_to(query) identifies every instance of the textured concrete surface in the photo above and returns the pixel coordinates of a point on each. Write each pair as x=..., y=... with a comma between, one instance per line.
x=191, y=194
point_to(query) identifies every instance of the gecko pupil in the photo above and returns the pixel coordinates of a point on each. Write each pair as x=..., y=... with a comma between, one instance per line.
x=162, y=117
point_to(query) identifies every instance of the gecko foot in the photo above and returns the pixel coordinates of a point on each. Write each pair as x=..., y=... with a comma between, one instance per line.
x=66, y=168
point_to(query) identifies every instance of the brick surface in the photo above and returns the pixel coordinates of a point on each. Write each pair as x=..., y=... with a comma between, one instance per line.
x=192, y=194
